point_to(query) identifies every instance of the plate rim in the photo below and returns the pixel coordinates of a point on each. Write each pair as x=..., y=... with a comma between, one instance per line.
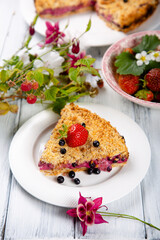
x=73, y=202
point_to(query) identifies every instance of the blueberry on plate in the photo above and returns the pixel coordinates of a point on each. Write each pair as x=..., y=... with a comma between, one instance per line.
x=60, y=179
x=76, y=181
x=71, y=174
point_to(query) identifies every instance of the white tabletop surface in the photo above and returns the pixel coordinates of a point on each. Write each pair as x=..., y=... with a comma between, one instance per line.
x=23, y=216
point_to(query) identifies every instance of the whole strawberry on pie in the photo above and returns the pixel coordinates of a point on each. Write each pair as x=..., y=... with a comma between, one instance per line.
x=82, y=141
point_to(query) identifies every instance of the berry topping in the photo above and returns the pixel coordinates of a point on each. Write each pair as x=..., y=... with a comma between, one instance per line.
x=96, y=170
x=83, y=124
x=26, y=86
x=77, y=135
x=90, y=171
x=125, y=1
x=62, y=150
x=153, y=79
x=92, y=164
x=71, y=174
x=145, y=94
x=60, y=179
x=61, y=142
x=109, y=168
x=31, y=98
x=74, y=164
x=76, y=181
x=96, y=143
x=129, y=83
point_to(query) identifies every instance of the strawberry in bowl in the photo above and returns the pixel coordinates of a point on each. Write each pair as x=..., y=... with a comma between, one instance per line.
x=132, y=68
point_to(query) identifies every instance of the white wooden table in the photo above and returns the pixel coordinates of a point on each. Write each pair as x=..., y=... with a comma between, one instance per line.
x=25, y=217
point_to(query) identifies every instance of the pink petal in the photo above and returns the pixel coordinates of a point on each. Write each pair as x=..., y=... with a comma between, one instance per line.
x=72, y=212
x=81, y=212
x=82, y=199
x=49, y=26
x=97, y=202
x=84, y=226
x=99, y=219
x=89, y=204
x=90, y=219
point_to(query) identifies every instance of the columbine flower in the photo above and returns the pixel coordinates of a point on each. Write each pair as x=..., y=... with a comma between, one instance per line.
x=74, y=58
x=52, y=33
x=155, y=56
x=142, y=58
x=86, y=212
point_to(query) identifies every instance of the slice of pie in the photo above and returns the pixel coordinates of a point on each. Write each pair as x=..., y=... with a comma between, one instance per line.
x=125, y=15
x=60, y=8
x=91, y=141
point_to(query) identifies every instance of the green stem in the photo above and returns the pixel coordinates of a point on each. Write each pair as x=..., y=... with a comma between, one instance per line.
x=128, y=217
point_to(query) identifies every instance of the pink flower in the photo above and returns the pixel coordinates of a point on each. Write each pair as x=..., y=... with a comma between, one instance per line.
x=52, y=33
x=86, y=212
x=74, y=58
x=75, y=46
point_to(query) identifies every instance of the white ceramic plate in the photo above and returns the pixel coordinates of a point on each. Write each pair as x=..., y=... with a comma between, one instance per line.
x=99, y=34
x=28, y=144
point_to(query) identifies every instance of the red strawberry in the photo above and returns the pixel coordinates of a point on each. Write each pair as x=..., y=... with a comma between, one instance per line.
x=130, y=50
x=145, y=94
x=77, y=135
x=157, y=97
x=129, y=83
x=153, y=79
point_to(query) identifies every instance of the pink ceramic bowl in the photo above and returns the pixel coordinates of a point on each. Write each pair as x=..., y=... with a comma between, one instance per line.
x=108, y=68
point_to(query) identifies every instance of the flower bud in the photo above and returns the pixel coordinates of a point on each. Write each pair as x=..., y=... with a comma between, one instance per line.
x=75, y=46
x=31, y=30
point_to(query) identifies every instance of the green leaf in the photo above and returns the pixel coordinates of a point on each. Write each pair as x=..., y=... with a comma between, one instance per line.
x=127, y=64
x=19, y=65
x=151, y=65
x=4, y=108
x=13, y=61
x=51, y=74
x=4, y=87
x=76, y=97
x=88, y=26
x=4, y=75
x=51, y=93
x=85, y=61
x=73, y=73
x=59, y=104
x=38, y=76
x=148, y=43
x=63, y=132
x=90, y=70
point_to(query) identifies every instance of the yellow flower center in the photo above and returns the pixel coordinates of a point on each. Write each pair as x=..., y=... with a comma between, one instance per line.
x=143, y=58
x=88, y=213
x=156, y=55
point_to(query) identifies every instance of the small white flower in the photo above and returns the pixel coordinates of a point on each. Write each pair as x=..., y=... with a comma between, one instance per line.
x=142, y=58
x=155, y=56
x=23, y=55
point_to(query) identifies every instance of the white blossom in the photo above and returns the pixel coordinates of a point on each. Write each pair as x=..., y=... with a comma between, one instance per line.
x=155, y=56
x=49, y=58
x=142, y=58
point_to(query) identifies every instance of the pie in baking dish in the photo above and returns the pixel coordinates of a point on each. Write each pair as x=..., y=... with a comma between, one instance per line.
x=99, y=144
